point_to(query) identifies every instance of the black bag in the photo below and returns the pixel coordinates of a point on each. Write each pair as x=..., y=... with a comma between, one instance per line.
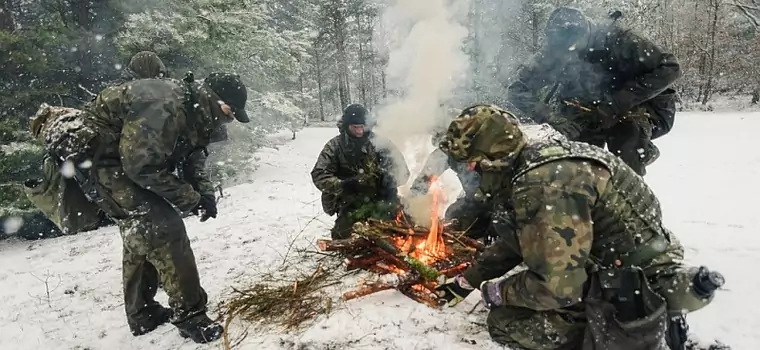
x=623, y=312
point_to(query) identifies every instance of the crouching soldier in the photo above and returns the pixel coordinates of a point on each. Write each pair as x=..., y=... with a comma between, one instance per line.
x=130, y=138
x=607, y=84
x=358, y=173
x=602, y=272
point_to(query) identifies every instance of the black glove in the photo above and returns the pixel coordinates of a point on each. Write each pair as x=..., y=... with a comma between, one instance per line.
x=454, y=290
x=207, y=204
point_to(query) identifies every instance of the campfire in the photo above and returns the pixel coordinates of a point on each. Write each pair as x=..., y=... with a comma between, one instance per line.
x=408, y=257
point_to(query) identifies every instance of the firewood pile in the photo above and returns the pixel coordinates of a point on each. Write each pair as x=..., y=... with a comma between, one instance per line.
x=415, y=259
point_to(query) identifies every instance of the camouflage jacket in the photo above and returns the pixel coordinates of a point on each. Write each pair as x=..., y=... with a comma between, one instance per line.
x=575, y=206
x=437, y=163
x=610, y=65
x=344, y=157
x=144, y=127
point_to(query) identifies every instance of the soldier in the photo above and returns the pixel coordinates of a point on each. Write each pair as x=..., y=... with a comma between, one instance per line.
x=358, y=173
x=129, y=139
x=610, y=86
x=59, y=197
x=589, y=232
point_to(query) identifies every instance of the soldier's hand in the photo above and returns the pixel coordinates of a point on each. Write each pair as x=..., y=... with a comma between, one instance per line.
x=351, y=185
x=454, y=290
x=206, y=207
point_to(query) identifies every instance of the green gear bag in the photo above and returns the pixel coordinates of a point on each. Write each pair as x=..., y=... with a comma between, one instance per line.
x=62, y=200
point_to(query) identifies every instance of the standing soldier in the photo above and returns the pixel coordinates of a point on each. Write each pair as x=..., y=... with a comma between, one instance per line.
x=124, y=146
x=358, y=174
x=610, y=86
x=601, y=267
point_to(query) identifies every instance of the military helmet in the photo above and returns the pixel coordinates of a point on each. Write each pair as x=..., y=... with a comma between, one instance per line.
x=483, y=132
x=145, y=65
x=565, y=26
x=355, y=114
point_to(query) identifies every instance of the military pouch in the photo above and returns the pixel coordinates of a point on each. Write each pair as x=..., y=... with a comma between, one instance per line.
x=623, y=312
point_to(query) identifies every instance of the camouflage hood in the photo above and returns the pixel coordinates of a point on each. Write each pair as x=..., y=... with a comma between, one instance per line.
x=46, y=114
x=484, y=134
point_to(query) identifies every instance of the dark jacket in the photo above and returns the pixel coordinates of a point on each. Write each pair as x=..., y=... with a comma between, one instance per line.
x=371, y=157
x=610, y=65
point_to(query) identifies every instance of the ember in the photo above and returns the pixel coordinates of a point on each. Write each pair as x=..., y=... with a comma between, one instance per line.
x=411, y=258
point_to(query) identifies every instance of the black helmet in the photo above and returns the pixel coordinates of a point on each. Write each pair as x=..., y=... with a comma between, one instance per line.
x=354, y=114
x=565, y=26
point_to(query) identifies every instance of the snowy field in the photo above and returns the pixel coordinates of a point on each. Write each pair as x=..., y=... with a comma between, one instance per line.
x=705, y=180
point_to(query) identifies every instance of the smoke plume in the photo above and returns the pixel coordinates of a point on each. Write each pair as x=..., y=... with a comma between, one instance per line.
x=423, y=41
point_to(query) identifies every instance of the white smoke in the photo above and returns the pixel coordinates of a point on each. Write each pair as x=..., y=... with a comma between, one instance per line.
x=423, y=41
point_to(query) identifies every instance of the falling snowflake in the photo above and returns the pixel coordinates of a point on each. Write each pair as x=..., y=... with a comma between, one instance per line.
x=68, y=170
x=13, y=224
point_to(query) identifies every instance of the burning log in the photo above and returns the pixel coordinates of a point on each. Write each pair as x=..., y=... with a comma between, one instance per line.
x=405, y=280
x=416, y=255
x=353, y=243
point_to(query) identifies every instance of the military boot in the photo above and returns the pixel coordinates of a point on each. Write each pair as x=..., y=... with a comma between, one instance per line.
x=149, y=320
x=200, y=329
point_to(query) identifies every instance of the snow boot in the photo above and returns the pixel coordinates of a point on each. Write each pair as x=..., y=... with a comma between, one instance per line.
x=200, y=329
x=154, y=317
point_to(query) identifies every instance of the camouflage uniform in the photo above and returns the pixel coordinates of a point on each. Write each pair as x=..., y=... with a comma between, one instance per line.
x=375, y=163
x=135, y=134
x=612, y=87
x=588, y=230
x=60, y=198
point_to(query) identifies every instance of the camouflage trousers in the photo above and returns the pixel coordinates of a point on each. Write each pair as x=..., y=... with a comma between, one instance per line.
x=521, y=328
x=155, y=247
x=630, y=138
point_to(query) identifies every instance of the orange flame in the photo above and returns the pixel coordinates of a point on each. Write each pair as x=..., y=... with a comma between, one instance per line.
x=432, y=248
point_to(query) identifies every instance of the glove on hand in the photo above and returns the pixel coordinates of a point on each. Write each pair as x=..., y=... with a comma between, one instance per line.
x=207, y=205
x=491, y=293
x=454, y=290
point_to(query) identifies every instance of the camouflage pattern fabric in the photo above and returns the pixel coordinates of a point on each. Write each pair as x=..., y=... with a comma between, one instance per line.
x=380, y=171
x=61, y=199
x=576, y=208
x=156, y=247
x=145, y=65
x=143, y=130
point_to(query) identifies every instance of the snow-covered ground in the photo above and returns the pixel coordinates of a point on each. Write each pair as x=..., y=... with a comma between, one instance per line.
x=705, y=181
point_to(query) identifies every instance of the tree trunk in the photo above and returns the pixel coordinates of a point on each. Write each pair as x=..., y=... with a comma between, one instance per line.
x=535, y=30
x=80, y=11
x=320, y=96
x=362, y=63
x=711, y=65
x=6, y=15
x=339, y=31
